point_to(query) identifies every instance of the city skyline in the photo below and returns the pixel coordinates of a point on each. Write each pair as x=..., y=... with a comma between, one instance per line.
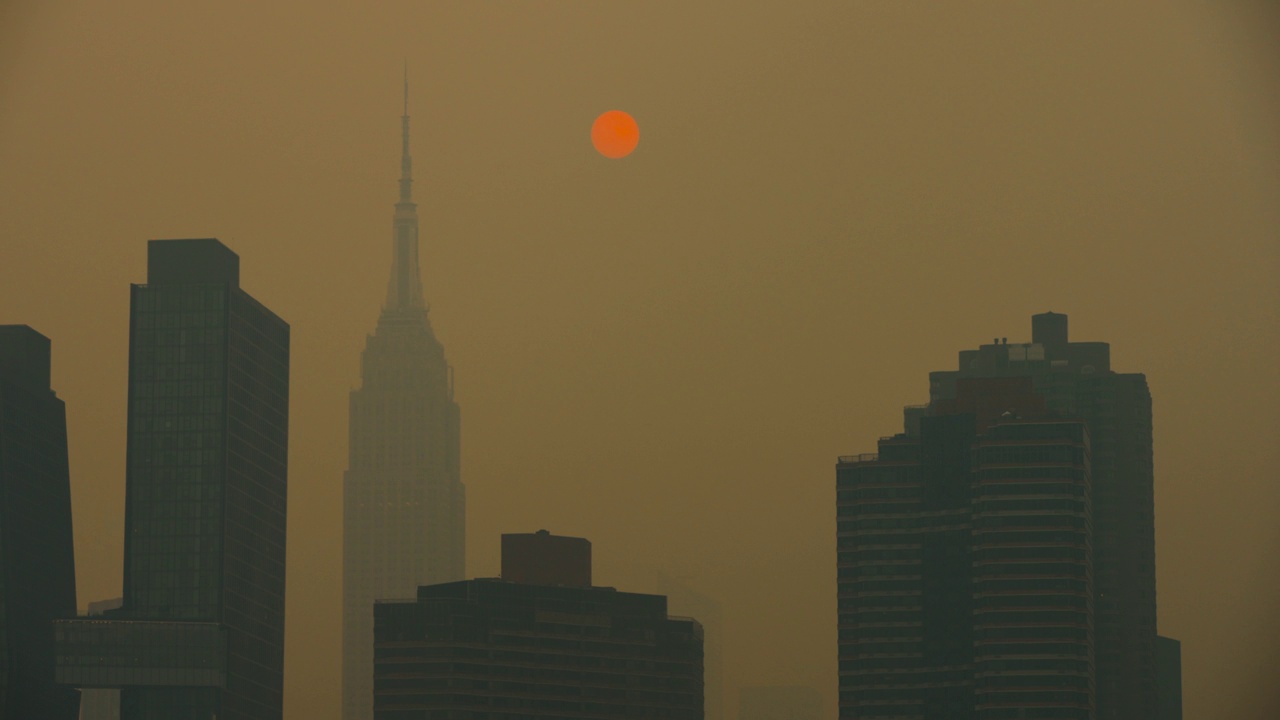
x=827, y=202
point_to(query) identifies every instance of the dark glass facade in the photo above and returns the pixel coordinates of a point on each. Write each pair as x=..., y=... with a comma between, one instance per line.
x=143, y=653
x=201, y=630
x=37, y=567
x=964, y=565
x=493, y=650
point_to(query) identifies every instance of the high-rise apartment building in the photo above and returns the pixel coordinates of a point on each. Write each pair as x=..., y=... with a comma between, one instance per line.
x=201, y=631
x=543, y=647
x=404, y=504
x=1076, y=380
x=997, y=557
x=964, y=569
x=37, y=566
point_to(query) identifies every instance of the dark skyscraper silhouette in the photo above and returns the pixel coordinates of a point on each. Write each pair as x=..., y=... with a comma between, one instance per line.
x=547, y=646
x=1076, y=379
x=201, y=631
x=37, y=567
x=1169, y=678
x=1012, y=522
x=404, y=504
x=964, y=566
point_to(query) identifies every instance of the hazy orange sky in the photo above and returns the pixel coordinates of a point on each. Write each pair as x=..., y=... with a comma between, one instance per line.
x=665, y=354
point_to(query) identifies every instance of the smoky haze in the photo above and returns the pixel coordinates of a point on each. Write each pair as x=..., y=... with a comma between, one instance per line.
x=665, y=354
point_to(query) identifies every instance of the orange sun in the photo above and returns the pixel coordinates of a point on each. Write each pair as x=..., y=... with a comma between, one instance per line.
x=615, y=134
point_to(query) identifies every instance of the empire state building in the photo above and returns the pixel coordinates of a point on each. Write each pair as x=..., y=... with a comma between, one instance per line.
x=404, y=504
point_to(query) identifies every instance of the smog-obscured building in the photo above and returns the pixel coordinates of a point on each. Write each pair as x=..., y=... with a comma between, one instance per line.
x=404, y=504
x=499, y=649
x=201, y=630
x=37, y=565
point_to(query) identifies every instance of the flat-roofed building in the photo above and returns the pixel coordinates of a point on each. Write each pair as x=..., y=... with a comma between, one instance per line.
x=37, y=564
x=500, y=649
x=201, y=630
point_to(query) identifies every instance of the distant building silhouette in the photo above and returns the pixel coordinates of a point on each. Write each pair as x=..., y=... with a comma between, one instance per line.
x=505, y=650
x=779, y=702
x=101, y=703
x=201, y=631
x=1029, y=477
x=404, y=506
x=37, y=566
x=682, y=599
x=1169, y=678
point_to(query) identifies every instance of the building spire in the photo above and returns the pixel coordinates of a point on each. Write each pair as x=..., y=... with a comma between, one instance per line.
x=405, y=289
x=406, y=162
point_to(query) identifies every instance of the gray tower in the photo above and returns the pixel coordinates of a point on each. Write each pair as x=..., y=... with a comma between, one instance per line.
x=404, y=502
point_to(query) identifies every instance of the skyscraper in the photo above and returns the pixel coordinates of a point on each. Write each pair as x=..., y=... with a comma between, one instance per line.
x=404, y=503
x=964, y=571
x=201, y=631
x=1051, y=543
x=548, y=645
x=1076, y=379
x=37, y=567
x=1169, y=678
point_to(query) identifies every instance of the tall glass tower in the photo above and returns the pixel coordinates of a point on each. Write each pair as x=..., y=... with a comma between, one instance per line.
x=201, y=631
x=37, y=568
x=404, y=502
x=206, y=493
